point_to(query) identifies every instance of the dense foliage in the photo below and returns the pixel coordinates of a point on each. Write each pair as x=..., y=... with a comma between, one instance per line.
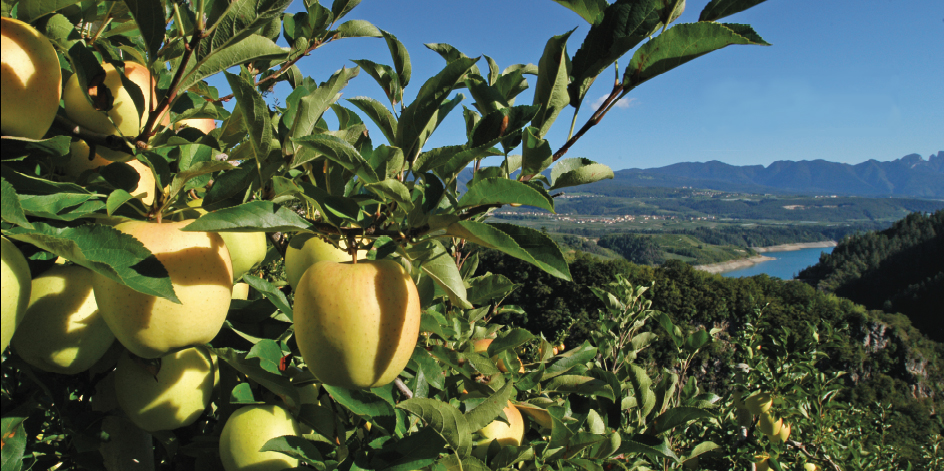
x=636, y=249
x=900, y=269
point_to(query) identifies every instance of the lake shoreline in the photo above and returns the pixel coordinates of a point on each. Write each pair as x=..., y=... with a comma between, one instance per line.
x=731, y=265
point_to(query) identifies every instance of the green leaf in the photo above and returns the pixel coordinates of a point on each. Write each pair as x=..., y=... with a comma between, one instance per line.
x=269, y=354
x=14, y=146
x=358, y=29
x=648, y=445
x=386, y=77
x=379, y=114
x=256, y=114
x=520, y=242
x=573, y=360
x=436, y=262
x=696, y=340
x=625, y=24
x=149, y=16
x=367, y=405
x=680, y=44
x=642, y=389
x=401, y=58
x=252, y=368
x=271, y=292
x=248, y=49
x=421, y=118
x=717, y=9
x=536, y=154
x=254, y=216
x=193, y=171
x=499, y=191
x=10, y=209
x=675, y=417
x=28, y=11
x=312, y=107
x=484, y=413
x=550, y=91
x=240, y=20
x=394, y=190
x=578, y=171
x=340, y=152
x=342, y=7
x=12, y=441
x=590, y=10
x=515, y=338
x=582, y=385
x=116, y=199
x=484, y=289
x=104, y=250
x=443, y=418
x=294, y=447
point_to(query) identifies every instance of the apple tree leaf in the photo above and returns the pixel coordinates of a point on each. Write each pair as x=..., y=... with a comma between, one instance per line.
x=367, y=405
x=649, y=445
x=33, y=10
x=520, y=242
x=550, y=90
x=515, y=338
x=484, y=413
x=483, y=289
x=251, y=367
x=104, y=250
x=682, y=43
x=590, y=10
x=254, y=216
x=271, y=292
x=149, y=16
x=10, y=209
x=717, y=9
x=269, y=354
x=295, y=447
x=444, y=419
x=13, y=440
x=578, y=171
x=675, y=417
x=436, y=262
x=358, y=29
x=504, y=191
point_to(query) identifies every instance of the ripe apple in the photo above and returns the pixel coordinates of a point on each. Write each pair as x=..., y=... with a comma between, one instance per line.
x=199, y=267
x=127, y=121
x=810, y=467
x=79, y=162
x=768, y=425
x=304, y=250
x=30, y=80
x=248, y=249
x=761, y=462
x=247, y=430
x=205, y=125
x=241, y=291
x=481, y=346
x=357, y=323
x=62, y=331
x=174, y=397
x=510, y=433
x=759, y=403
x=14, y=288
x=784, y=433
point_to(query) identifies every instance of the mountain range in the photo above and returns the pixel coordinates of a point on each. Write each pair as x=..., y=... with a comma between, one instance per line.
x=910, y=175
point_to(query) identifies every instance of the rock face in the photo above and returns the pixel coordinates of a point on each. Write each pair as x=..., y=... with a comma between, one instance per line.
x=913, y=366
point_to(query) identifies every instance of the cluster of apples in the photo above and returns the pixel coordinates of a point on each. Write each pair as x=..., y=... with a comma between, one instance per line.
x=760, y=404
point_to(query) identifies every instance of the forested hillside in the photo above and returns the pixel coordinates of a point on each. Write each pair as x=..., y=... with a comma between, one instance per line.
x=900, y=269
x=889, y=361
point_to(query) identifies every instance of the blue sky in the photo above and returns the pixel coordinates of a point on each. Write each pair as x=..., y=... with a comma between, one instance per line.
x=845, y=80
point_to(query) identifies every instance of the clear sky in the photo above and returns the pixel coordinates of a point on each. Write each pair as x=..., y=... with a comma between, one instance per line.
x=845, y=80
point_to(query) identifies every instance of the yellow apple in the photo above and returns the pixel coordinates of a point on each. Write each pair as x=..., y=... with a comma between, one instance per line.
x=123, y=118
x=174, y=397
x=14, y=288
x=62, y=331
x=768, y=425
x=761, y=462
x=241, y=291
x=79, y=161
x=30, y=80
x=357, y=324
x=481, y=346
x=510, y=433
x=784, y=433
x=810, y=467
x=199, y=267
x=247, y=430
x=205, y=125
x=759, y=403
x=304, y=250
x=247, y=249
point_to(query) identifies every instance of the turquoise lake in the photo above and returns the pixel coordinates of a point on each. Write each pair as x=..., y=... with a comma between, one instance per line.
x=786, y=265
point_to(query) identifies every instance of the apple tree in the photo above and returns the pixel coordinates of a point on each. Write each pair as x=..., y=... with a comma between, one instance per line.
x=166, y=191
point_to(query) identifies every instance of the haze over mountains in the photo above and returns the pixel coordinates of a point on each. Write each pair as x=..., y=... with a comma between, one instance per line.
x=910, y=175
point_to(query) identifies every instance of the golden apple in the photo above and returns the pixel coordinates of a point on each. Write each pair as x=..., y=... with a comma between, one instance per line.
x=14, y=288
x=199, y=267
x=810, y=467
x=62, y=331
x=247, y=249
x=761, y=462
x=123, y=118
x=205, y=125
x=768, y=425
x=304, y=250
x=174, y=397
x=247, y=430
x=510, y=433
x=784, y=433
x=357, y=323
x=759, y=403
x=241, y=291
x=30, y=80
x=79, y=161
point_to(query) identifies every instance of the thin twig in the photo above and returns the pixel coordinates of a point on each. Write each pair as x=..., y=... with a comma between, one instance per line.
x=282, y=69
x=402, y=387
x=172, y=91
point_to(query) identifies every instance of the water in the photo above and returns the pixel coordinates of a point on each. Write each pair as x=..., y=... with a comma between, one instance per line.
x=786, y=265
